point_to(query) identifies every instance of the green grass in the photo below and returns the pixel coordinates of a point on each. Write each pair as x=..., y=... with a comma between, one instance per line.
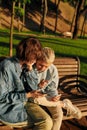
x=61, y=46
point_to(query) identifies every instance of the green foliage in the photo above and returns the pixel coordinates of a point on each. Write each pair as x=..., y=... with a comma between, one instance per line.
x=22, y=1
x=0, y=1
x=27, y=1
x=65, y=0
x=86, y=2
x=19, y=11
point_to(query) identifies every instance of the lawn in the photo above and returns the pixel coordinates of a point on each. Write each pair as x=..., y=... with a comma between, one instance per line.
x=61, y=46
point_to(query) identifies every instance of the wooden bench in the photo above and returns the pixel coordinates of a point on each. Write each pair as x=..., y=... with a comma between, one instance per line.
x=72, y=85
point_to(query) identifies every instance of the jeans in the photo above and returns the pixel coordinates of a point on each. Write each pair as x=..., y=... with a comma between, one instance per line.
x=39, y=119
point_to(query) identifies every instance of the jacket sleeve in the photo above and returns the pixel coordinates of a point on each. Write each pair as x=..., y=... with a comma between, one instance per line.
x=11, y=87
x=52, y=86
x=32, y=79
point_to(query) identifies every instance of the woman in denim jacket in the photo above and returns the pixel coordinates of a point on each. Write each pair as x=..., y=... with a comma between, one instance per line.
x=13, y=98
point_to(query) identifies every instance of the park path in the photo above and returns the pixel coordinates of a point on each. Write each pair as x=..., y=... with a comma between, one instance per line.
x=66, y=125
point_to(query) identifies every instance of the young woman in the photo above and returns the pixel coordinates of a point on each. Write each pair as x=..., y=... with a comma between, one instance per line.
x=13, y=97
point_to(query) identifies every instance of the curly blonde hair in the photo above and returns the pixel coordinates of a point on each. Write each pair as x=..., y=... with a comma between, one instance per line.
x=48, y=55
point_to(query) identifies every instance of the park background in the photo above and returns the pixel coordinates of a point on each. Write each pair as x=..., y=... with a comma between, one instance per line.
x=52, y=36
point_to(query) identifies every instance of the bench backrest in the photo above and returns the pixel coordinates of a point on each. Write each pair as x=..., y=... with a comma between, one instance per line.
x=68, y=69
x=65, y=65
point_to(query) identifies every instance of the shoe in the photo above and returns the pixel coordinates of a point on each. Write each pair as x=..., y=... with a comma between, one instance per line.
x=71, y=109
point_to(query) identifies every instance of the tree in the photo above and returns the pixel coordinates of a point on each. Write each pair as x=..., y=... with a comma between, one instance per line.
x=73, y=18
x=57, y=2
x=20, y=14
x=12, y=22
x=0, y=11
x=11, y=29
x=44, y=13
x=83, y=26
x=80, y=5
x=23, y=15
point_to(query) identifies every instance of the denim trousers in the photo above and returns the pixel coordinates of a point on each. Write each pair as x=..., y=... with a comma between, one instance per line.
x=39, y=119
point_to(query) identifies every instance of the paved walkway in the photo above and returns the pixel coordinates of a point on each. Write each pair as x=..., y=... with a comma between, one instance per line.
x=66, y=125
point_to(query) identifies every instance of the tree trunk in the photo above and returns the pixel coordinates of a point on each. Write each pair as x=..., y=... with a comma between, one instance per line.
x=23, y=17
x=19, y=23
x=83, y=26
x=57, y=2
x=72, y=24
x=0, y=14
x=44, y=13
x=11, y=29
x=0, y=17
x=80, y=4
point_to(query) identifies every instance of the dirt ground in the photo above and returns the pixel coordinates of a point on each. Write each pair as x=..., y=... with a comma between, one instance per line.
x=66, y=125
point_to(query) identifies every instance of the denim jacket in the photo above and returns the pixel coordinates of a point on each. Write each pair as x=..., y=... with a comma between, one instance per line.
x=51, y=75
x=12, y=92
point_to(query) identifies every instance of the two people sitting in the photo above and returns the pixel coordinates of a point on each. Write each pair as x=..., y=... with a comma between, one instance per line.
x=28, y=81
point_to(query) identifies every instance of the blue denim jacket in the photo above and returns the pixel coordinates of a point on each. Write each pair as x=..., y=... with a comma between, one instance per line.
x=51, y=75
x=12, y=92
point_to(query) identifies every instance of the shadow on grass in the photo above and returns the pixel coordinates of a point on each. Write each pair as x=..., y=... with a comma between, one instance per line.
x=51, y=41
x=4, y=44
x=60, y=42
x=4, y=48
x=4, y=34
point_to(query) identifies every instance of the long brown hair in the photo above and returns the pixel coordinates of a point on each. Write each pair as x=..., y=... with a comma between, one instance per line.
x=29, y=49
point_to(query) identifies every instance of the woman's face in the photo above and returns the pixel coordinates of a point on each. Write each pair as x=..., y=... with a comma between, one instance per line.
x=42, y=66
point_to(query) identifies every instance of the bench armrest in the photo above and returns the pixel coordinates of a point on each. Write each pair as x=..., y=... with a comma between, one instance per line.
x=82, y=88
x=74, y=82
